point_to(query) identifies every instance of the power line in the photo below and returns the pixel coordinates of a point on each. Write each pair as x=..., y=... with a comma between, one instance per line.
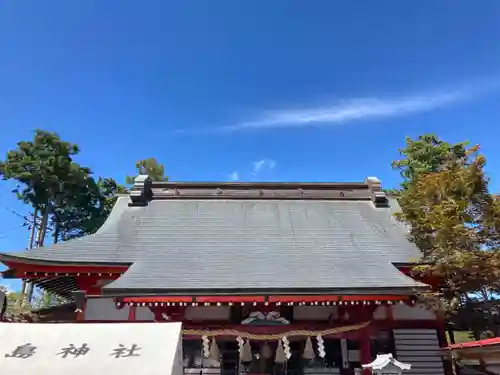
x=18, y=214
x=27, y=220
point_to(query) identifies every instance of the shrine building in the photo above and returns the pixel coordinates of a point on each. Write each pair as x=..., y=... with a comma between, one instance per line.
x=266, y=278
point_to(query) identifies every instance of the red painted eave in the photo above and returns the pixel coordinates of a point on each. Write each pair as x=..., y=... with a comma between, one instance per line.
x=23, y=267
x=13, y=261
x=475, y=344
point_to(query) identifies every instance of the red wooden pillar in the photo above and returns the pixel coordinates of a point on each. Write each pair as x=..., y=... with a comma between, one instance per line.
x=80, y=315
x=131, y=312
x=81, y=304
x=365, y=350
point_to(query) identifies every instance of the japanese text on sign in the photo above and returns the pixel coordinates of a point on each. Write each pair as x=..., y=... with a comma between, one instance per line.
x=73, y=351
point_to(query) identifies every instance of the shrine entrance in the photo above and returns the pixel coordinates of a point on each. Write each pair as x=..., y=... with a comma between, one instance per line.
x=273, y=350
x=270, y=359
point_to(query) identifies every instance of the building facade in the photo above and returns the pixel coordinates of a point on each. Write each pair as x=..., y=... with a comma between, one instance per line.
x=267, y=278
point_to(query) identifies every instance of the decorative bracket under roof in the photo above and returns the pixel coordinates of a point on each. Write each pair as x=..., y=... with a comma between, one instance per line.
x=379, y=198
x=141, y=192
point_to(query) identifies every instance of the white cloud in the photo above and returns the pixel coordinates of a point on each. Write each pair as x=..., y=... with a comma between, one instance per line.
x=349, y=110
x=356, y=109
x=262, y=164
x=234, y=176
x=257, y=165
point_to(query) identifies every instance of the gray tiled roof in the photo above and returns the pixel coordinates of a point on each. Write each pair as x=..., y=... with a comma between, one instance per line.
x=246, y=244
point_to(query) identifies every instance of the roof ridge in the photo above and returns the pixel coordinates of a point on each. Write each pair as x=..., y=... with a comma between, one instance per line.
x=146, y=190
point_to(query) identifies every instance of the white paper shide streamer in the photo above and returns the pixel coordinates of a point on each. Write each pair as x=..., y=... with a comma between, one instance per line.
x=286, y=347
x=321, y=346
x=206, y=346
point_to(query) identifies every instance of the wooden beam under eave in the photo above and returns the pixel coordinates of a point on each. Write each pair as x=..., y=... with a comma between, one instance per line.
x=22, y=268
x=316, y=300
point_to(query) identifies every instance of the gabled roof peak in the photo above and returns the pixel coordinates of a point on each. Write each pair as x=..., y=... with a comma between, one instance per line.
x=145, y=190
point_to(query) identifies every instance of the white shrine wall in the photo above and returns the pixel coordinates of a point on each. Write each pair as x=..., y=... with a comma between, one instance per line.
x=405, y=312
x=104, y=309
x=399, y=312
x=320, y=313
x=202, y=313
x=144, y=314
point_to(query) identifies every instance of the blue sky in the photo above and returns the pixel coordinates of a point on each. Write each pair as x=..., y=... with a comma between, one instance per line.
x=259, y=90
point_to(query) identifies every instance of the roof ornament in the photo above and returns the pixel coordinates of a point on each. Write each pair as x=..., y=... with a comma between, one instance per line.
x=386, y=364
x=269, y=318
x=379, y=198
x=141, y=192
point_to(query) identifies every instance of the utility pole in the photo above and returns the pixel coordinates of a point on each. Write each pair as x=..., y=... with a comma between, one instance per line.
x=33, y=227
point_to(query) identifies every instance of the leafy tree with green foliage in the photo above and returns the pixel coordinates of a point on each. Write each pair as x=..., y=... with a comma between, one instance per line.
x=70, y=201
x=150, y=167
x=426, y=154
x=65, y=198
x=73, y=208
x=455, y=222
x=45, y=168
